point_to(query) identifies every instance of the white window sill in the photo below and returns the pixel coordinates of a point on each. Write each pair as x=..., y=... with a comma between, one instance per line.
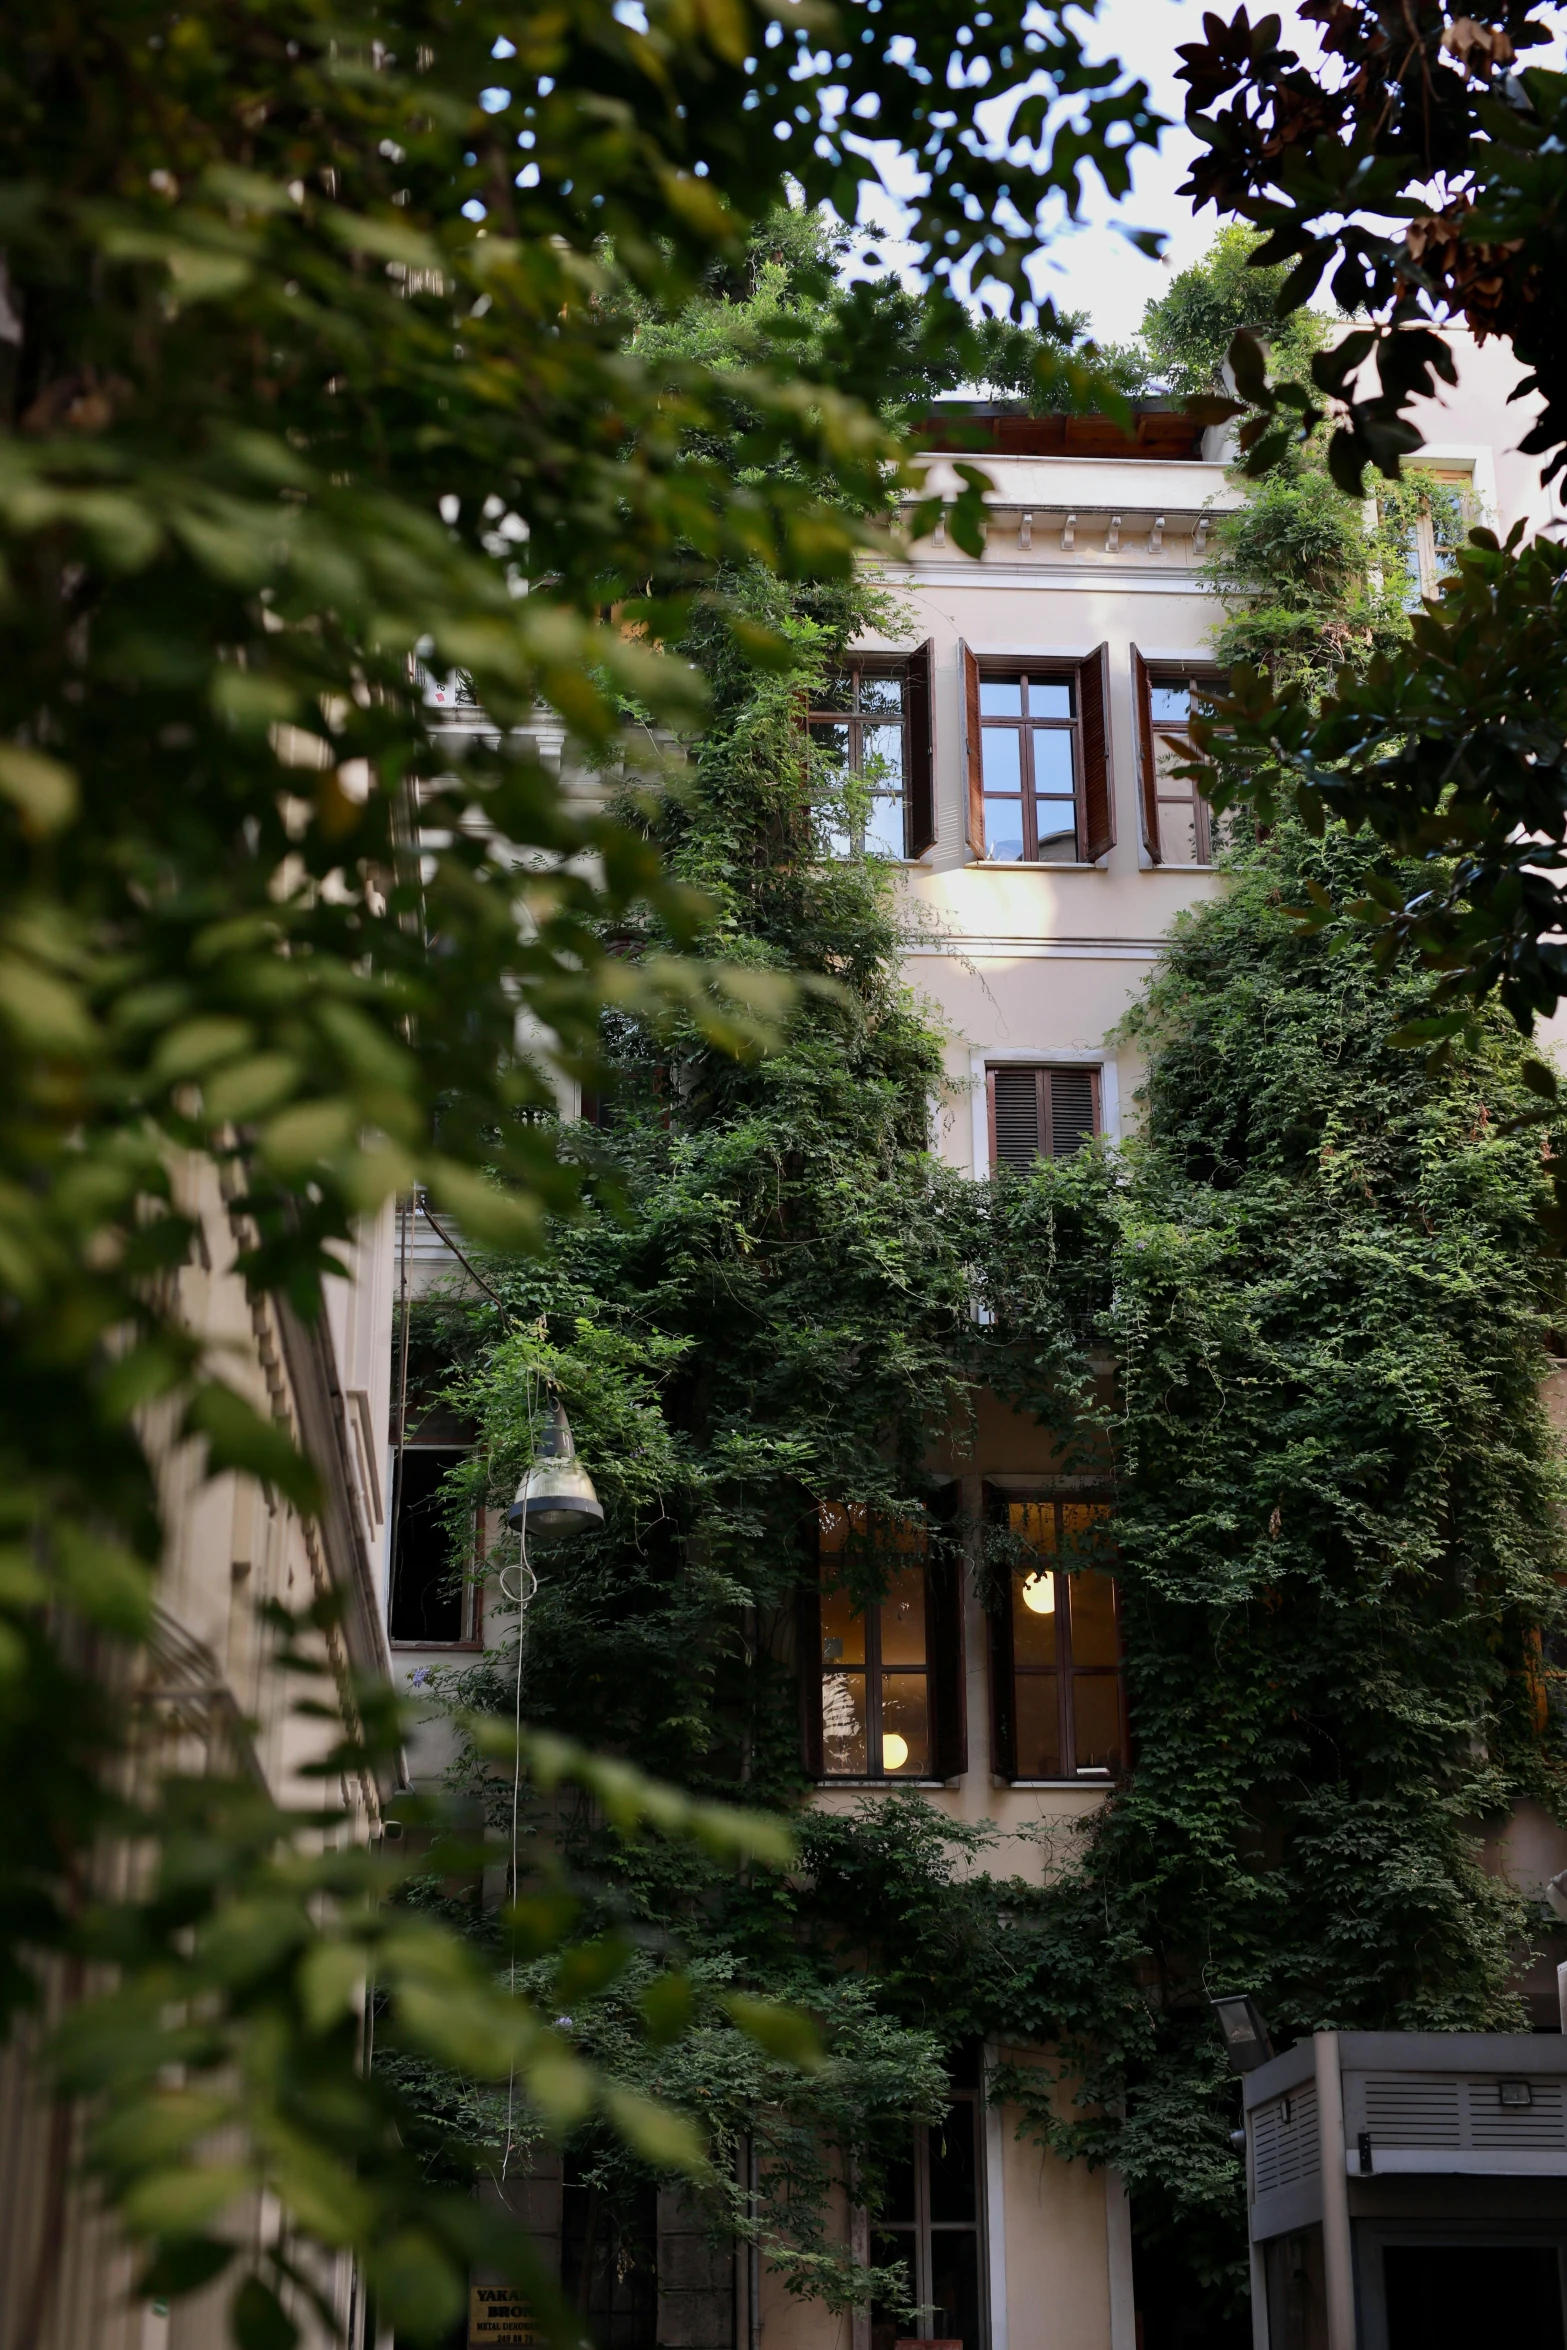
x=1169, y=866
x=880, y=1786
x=1037, y=865
x=1093, y=1785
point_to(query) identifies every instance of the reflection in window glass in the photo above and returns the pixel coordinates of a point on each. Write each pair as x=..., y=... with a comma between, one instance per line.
x=1028, y=759
x=1185, y=820
x=858, y=721
x=875, y=1659
x=1065, y=1649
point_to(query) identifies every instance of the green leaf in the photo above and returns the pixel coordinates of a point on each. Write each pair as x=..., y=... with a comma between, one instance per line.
x=258, y=2319
x=662, y=2137
x=179, y=2202
x=46, y=793
x=103, y=1581
x=331, y=1982
x=783, y=2031
x=666, y=2008
x=239, y=1438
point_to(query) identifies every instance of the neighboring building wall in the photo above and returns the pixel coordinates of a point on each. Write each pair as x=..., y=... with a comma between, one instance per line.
x=210, y=1697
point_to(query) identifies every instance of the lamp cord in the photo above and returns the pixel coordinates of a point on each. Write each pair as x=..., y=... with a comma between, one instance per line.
x=528, y=1584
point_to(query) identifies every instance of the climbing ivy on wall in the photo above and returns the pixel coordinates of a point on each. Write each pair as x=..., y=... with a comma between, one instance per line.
x=1305, y=1316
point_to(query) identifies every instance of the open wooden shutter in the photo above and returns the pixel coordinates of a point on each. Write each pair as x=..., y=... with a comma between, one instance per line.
x=808, y=1653
x=919, y=753
x=1147, y=776
x=1098, y=780
x=973, y=763
x=944, y=1637
x=998, y=1616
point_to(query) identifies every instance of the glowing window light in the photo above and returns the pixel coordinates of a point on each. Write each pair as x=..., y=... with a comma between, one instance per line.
x=894, y=1751
x=1039, y=1594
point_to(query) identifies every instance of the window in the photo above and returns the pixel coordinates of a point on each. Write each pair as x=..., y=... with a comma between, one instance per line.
x=929, y=2221
x=1178, y=824
x=1040, y=1113
x=609, y=2260
x=433, y=1602
x=872, y=721
x=885, y=1689
x=1059, y=1701
x=1038, y=760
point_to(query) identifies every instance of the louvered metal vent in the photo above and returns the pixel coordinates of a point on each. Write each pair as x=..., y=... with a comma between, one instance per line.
x=1016, y=1095
x=1285, y=2146
x=1413, y=2109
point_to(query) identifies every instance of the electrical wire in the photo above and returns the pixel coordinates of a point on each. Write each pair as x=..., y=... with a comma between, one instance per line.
x=527, y=1586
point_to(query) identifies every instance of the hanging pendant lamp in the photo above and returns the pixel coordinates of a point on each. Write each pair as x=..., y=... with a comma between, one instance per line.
x=556, y=1497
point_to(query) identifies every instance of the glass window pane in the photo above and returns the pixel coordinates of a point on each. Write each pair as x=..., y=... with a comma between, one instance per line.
x=1093, y=1620
x=837, y=693
x=1035, y=1522
x=891, y=2250
x=1001, y=758
x=903, y=1618
x=1038, y=1711
x=837, y=1524
x=1056, y=823
x=897, y=2197
x=952, y=2168
x=1004, y=830
x=1096, y=1720
x=884, y=827
x=1178, y=832
x=843, y=1631
x=1050, y=697
x=1053, y=761
x=881, y=693
x=831, y=739
x=1085, y=1526
x=1034, y=1618
x=905, y=1726
x=954, y=2287
x=843, y=1724
x=881, y=755
x=1001, y=697
x=1169, y=701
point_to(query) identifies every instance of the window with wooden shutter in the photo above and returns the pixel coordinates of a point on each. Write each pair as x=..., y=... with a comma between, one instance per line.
x=1098, y=785
x=1040, y=1112
x=973, y=767
x=882, y=1679
x=858, y=725
x=1037, y=751
x=1059, y=1702
x=1178, y=824
x=920, y=751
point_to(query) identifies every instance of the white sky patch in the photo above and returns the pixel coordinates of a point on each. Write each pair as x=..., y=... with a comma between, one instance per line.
x=1093, y=267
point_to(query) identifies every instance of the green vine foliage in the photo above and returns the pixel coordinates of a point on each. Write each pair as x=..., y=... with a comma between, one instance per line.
x=1305, y=1316
x=314, y=382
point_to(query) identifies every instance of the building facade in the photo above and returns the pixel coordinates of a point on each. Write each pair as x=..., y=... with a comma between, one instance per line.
x=1017, y=748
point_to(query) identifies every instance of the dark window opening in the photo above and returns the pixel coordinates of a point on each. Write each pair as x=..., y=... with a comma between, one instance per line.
x=1060, y=1698
x=609, y=2260
x=1453, y=2296
x=1040, y=1113
x=929, y=2222
x=433, y=1603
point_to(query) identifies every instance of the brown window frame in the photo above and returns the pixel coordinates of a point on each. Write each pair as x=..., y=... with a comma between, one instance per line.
x=1005, y=1671
x=1093, y=782
x=1043, y=1073
x=470, y=1613
x=1146, y=675
x=914, y=2239
x=943, y=1670
x=917, y=797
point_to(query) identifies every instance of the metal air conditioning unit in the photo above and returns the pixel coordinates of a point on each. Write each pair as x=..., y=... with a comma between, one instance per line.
x=1408, y=2191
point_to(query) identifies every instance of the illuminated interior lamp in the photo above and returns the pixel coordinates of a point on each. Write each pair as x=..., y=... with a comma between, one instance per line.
x=1039, y=1594
x=556, y=1498
x=894, y=1751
